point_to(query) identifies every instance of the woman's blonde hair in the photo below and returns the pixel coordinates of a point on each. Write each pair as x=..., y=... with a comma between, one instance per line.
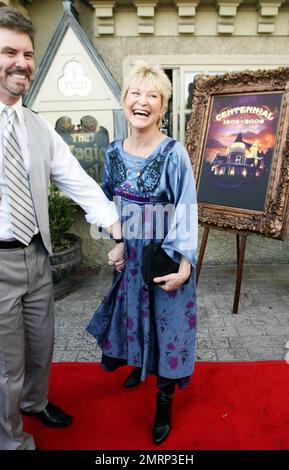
x=159, y=82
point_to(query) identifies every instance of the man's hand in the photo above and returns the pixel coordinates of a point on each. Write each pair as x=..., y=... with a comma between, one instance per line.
x=116, y=257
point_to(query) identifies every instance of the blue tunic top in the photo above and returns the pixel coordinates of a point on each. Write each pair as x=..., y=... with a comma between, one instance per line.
x=157, y=202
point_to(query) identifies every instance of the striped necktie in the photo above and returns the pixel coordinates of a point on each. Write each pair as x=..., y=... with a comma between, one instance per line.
x=18, y=188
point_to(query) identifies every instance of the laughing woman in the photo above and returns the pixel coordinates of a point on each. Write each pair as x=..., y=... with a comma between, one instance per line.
x=152, y=176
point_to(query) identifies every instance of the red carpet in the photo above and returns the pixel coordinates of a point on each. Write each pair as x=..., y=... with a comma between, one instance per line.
x=226, y=406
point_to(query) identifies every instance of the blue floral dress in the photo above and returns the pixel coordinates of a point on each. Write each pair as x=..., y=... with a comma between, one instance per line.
x=157, y=201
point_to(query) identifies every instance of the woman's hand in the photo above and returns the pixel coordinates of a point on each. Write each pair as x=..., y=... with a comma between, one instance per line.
x=175, y=280
x=116, y=257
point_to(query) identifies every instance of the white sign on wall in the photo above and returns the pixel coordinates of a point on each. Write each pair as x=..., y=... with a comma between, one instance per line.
x=73, y=85
x=74, y=81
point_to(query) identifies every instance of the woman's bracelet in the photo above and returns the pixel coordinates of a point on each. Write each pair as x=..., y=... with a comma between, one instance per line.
x=118, y=240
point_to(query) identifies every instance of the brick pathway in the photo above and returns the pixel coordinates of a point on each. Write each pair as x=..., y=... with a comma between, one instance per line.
x=259, y=331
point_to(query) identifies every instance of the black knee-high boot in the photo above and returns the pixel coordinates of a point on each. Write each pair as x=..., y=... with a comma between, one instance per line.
x=162, y=422
x=133, y=378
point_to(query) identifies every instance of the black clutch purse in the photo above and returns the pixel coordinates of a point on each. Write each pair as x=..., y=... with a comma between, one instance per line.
x=155, y=263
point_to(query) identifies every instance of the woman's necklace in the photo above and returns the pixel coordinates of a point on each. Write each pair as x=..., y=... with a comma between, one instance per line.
x=144, y=148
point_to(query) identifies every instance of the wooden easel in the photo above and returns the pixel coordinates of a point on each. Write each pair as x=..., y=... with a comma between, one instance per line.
x=241, y=239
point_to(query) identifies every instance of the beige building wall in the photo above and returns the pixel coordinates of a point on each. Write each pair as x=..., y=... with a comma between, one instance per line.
x=180, y=34
x=15, y=4
x=206, y=38
x=254, y=36
x=209, y=46
x=46, y=14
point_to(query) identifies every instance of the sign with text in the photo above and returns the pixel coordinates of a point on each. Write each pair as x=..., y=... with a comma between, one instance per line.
x=87, y=141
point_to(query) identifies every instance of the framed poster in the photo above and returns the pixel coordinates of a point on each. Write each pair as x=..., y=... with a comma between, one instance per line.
x=238, y=142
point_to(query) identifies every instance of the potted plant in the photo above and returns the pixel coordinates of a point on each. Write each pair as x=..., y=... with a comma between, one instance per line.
x=66, y=246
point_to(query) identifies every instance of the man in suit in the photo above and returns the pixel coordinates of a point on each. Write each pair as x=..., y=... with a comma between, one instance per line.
x=31, y=153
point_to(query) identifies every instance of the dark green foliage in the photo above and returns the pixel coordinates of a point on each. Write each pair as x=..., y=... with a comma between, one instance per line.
x=61, y=217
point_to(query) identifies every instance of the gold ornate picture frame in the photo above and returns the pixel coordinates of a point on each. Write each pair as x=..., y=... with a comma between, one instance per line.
x=238, y=142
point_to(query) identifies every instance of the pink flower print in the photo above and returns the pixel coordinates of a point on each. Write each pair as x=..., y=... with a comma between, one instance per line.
x=171, y=347
x=172, y=294
x=173, y=362
x=133, y=271
x=130, y=338
x=192, y=321
x=122, y=285
x=144, y=296
x=132, y=254
x=107, y=344
x=190, y=304
x=144, y=313
x=129, y=323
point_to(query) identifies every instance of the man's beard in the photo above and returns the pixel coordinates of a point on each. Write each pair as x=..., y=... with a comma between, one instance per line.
x=18, y=90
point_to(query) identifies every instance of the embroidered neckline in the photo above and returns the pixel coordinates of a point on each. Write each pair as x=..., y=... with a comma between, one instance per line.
x=147, y=176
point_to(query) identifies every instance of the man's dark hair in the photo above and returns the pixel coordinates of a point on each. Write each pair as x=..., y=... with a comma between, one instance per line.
x=10, y=18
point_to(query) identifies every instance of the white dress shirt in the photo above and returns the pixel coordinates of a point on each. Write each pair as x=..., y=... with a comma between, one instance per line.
x=66, y=172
